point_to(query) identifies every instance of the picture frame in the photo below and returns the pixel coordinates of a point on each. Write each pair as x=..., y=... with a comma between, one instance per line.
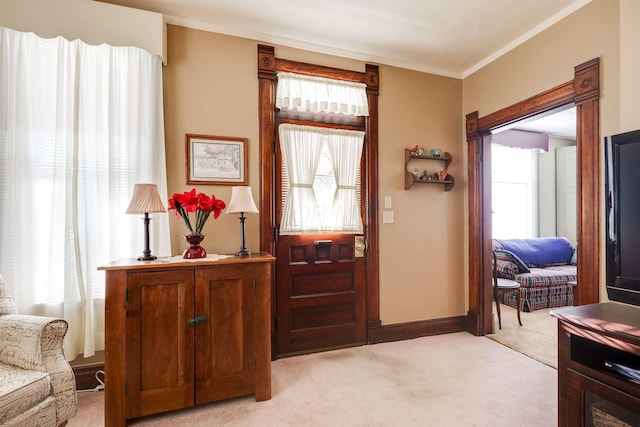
x=216, y=160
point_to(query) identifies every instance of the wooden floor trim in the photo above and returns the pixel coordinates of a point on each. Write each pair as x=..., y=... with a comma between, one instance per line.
x=423, y=328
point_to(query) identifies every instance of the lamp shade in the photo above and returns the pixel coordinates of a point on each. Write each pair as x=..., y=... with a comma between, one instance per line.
x=145, y=199
x=241, y=201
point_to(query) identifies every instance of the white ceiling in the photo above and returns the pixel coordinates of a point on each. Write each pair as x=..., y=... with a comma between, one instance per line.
x=561, y=124
x=447, y=37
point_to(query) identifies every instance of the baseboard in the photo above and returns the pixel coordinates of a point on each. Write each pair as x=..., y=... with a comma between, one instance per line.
x=423, y=328
x=374, y=331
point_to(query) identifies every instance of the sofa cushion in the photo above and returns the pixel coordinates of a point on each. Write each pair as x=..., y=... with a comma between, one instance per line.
x=540, y=251
x=7, y=306
x=548, y=276
x=505, y=255
x=506, y=269
x=20, y=390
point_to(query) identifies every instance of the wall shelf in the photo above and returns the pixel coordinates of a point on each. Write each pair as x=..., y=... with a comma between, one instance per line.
x=432, y=178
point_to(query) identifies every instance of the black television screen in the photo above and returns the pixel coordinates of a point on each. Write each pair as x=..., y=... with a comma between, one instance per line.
x=622, y=191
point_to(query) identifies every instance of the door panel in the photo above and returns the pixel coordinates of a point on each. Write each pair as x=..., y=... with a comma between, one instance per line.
x=224, y=351
x=321, y=293
x=158, y=308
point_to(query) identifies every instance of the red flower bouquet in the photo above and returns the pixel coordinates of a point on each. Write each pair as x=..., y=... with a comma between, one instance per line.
x=201, y=204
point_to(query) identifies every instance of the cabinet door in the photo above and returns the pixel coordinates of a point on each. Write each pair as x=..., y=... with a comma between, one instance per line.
x=160, y=372
x=224, y=352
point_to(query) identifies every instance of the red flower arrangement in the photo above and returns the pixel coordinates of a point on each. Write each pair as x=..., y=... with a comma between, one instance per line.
x=200, y=203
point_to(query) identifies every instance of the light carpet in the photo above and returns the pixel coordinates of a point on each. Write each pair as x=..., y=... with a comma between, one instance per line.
x=445, y=380
x=536, y=338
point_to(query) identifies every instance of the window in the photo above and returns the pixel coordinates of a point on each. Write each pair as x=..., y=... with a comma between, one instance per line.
x=514, y=178
x=321, y=171
x=79, y=126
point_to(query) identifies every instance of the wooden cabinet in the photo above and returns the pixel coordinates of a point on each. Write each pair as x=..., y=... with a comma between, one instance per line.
x=181, y=333
x=597, y=343
x=431, y=177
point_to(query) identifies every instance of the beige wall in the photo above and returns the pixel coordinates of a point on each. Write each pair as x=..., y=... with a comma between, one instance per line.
x=629, y=65
x=548, y=60
x=211, y=87
x=421, y=254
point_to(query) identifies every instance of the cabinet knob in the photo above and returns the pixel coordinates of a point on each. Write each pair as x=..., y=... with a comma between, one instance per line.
x=197, y=319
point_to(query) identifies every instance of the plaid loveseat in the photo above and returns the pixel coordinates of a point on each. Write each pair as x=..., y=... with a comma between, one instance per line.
x=543, y=266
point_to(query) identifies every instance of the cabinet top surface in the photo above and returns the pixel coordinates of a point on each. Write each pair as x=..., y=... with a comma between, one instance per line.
x=611, y=317
x=178, y=261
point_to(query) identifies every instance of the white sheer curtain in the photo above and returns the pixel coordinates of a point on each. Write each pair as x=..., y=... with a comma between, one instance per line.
x=79, y=126
x=301, y=147
x=321, y=95
x=346, y=150
x=319, y=162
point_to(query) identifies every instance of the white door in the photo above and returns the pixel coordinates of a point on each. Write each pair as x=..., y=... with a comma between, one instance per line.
x=567, y=217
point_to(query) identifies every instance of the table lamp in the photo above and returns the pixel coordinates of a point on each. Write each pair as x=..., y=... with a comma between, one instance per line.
x=145, y=199
x=242, y=202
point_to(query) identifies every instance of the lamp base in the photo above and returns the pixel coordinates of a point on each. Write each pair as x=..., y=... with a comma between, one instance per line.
x=147, y=258
x=243, y=253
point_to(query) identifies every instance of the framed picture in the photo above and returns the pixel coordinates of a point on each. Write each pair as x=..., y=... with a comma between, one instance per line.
x=220, y=160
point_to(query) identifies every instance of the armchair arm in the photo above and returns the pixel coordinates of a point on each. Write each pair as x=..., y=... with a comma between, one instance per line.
x=35, y=343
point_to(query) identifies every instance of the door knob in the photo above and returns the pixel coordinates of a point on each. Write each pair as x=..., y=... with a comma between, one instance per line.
x=360, y=246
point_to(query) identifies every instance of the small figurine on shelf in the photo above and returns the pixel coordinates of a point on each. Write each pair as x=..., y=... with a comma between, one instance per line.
x=442, y=174
x=416, y=173
x=417, y=151
x=435, y=152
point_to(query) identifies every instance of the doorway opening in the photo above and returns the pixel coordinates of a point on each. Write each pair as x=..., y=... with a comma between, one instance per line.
x=583, y=92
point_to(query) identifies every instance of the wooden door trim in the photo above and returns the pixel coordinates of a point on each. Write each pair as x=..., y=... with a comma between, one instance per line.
x=268, y=66
x=584, y=92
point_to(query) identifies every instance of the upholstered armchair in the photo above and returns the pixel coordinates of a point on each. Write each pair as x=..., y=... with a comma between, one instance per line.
x=37, y=386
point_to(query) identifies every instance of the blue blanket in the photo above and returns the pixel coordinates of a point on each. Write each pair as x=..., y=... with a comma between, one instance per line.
x=541, y=251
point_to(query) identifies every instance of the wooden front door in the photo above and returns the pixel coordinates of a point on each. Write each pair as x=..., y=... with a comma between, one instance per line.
x=282, y=308
x=320, y=292
x=320, y=281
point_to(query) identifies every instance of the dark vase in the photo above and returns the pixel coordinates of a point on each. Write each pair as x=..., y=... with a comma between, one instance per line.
x=194, y=250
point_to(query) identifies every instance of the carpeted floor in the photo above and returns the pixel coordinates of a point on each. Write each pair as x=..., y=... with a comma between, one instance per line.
x=536, y=338
x=446, y=380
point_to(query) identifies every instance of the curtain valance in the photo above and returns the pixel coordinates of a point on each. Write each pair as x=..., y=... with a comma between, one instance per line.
x=300, y=92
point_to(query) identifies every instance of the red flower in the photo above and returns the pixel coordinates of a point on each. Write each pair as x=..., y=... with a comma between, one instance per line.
x=205, y=202
x=200, y=203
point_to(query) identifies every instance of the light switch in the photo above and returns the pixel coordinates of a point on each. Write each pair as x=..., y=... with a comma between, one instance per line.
x=387, y=202
x=388, y=217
